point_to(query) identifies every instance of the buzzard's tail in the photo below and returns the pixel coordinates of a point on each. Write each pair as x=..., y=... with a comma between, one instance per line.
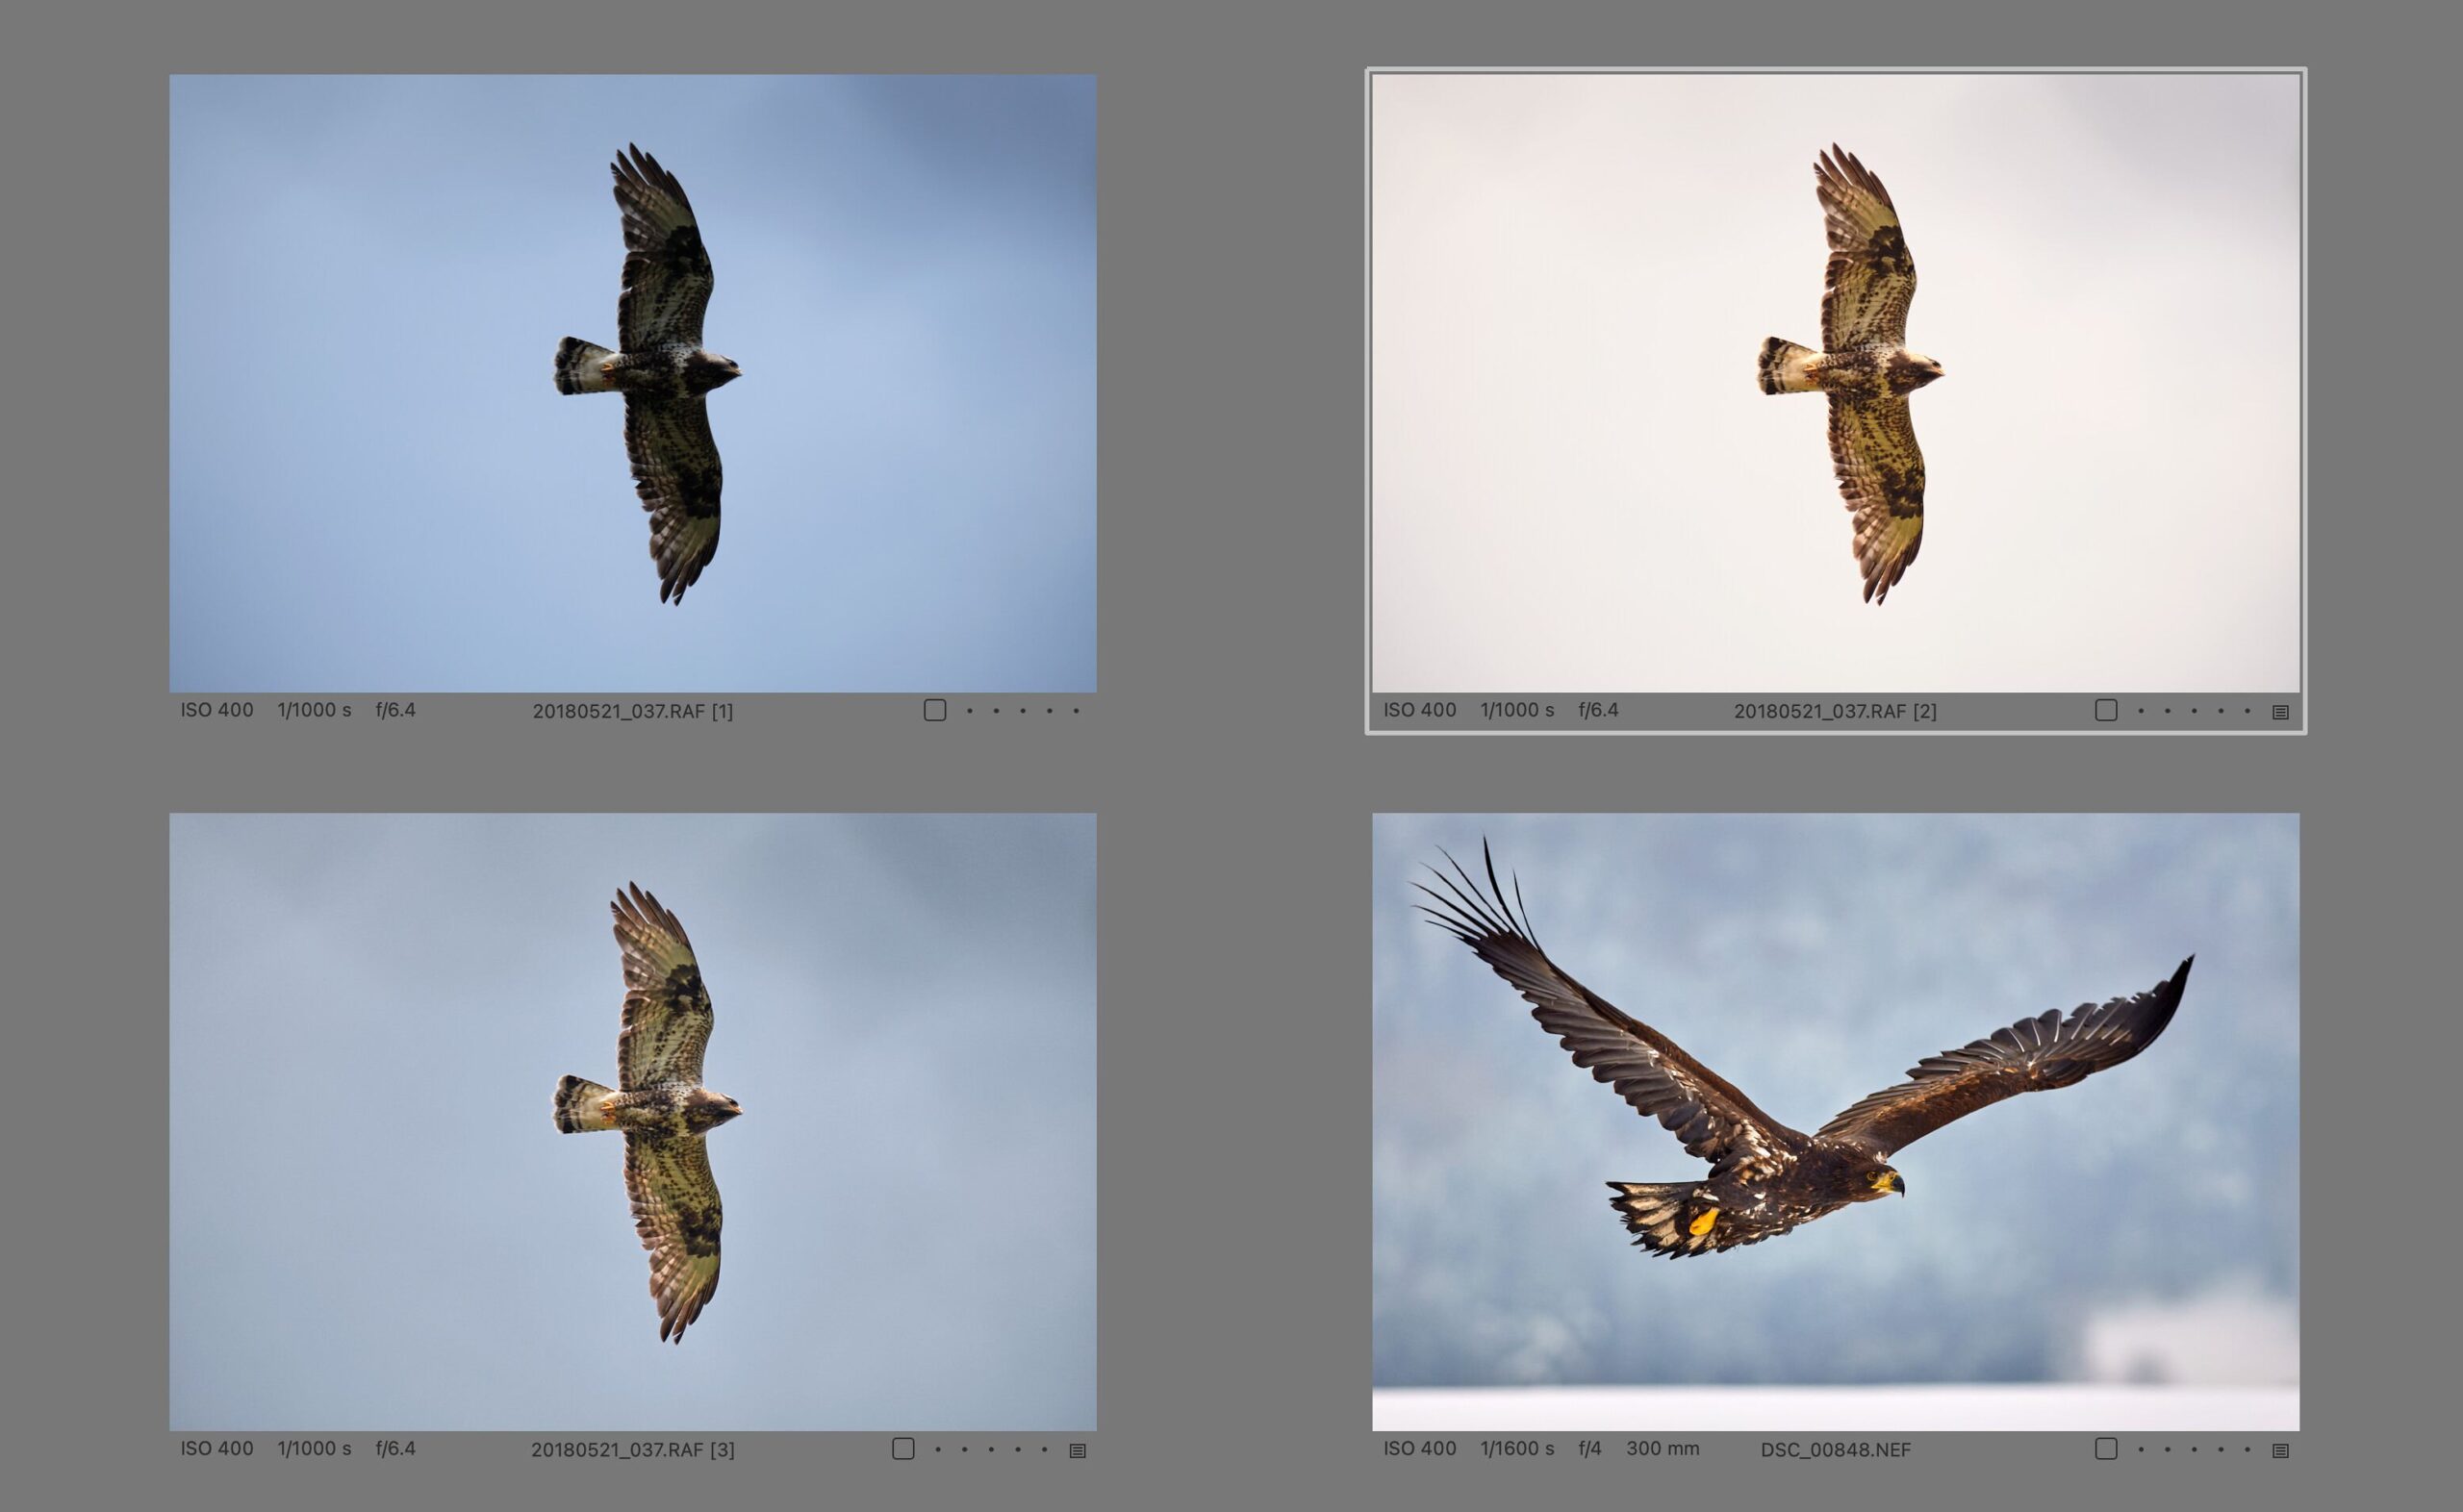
x=578, y=1106
x=1785, y=367
x=578, y=367
x=1661, y=1217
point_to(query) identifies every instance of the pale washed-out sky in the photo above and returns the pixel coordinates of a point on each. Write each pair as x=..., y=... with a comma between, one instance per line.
x=1578, y=484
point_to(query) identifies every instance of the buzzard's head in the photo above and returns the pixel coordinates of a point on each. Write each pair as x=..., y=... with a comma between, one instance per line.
x=1910, y=372
x=706, y=1109
x=706, y=371
x=1880, y=1182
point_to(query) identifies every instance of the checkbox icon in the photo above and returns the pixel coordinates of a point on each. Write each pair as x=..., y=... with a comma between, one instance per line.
x=2107, y=710
x=936, y=709
x=2108, y=1448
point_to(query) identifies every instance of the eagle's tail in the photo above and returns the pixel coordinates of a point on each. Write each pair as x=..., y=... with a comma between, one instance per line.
x=1661, y=1217
x=578, y=1106
x=578, y=367
x=1787, y=367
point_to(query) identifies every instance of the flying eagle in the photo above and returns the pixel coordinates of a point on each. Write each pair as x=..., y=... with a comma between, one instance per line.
x=664, y=373
x=663, y=1109
x=1866, y=368
x=1765, y=1178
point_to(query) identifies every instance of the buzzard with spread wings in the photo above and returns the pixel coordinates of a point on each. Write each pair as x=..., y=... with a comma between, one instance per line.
x=664, y=373
x=663, y=1109
x=1866, y=368
x=1765, y=1178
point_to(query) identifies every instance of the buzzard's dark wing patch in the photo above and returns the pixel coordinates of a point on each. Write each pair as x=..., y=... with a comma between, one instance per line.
x=1715, y=1122
x=1871, y=279
x=1881, y=475
x=676, y=471
x=2032, y=1056
x=666, y=1010
x=676, y=1211
x=666, y=273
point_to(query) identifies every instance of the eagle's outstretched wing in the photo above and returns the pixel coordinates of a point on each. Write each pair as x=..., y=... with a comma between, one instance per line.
x=2032, y=1056
x=1715, y=1122
x=666, y=1010
x=666, y=273
x=676, y=473
x=1881, y=474
x=1871, y=279
x=675, y=1210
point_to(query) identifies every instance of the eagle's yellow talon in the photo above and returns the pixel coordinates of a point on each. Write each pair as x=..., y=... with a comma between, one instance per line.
x=1702, y=1226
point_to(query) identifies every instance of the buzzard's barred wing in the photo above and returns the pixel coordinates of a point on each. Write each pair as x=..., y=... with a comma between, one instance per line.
x=666, y=1010
x=2031, y=1055
x=666, y=273
x=1881, y=474
x=675, y=1210
x=1715, y=1122
x=1871, y=280
x=676, y=473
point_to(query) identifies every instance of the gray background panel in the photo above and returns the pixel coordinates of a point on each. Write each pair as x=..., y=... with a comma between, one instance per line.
x=1234, y=785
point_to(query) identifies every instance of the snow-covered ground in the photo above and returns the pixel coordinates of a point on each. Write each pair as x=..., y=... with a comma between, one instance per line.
x=1858, y=1409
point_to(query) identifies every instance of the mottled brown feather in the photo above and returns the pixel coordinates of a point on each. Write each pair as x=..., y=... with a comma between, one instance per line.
x=1881, y=475
x=678, y=473
x=1872, y=278
x=2032, y=1056
x=677, y=1214
x=667, y=271
x=667, y=1008
x=1712, y=1119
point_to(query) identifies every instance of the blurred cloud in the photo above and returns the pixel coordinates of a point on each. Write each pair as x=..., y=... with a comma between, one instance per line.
x=2232, y=1333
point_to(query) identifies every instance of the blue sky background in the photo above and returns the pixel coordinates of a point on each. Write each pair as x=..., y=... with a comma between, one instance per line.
x=2140, y=1227
x=375, y=1224
x=375, y=486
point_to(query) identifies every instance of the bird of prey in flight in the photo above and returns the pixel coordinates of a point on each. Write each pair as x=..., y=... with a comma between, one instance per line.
x=1866, y=368
x=663, y=1109
x=1764, y=1177
x=663, y=372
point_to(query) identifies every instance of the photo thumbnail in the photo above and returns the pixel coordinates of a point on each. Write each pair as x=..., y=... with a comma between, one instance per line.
x=1666, y=433
x=632, y=1122
x=1882, y=1122
x=449, y=353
